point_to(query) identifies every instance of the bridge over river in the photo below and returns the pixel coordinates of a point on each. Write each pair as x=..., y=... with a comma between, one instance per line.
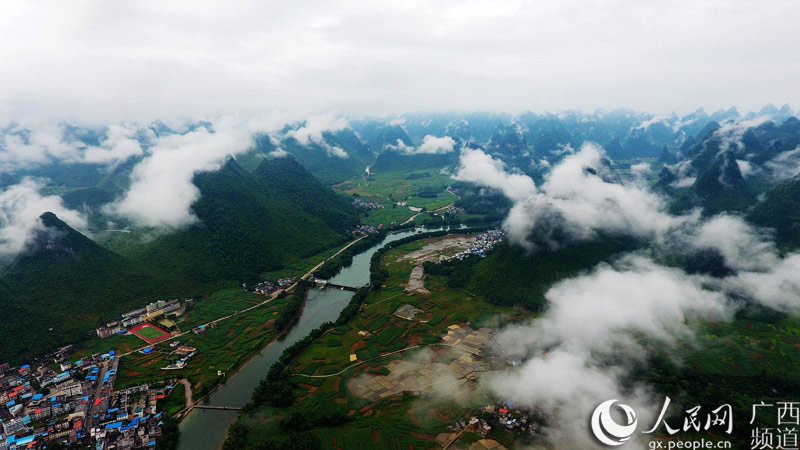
x=328, y=284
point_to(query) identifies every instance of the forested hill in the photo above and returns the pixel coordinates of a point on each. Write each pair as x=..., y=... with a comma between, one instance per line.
x=64, y=284
x=250, y=223
x=61, y=285
x=780, y=210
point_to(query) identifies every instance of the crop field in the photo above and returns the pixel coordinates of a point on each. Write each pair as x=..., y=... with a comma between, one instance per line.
x=748, y=347
x=222, y=348
x=389, y=188
x=401, y=420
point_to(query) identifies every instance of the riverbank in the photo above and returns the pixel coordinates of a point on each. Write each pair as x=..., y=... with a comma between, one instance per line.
x=207, y=429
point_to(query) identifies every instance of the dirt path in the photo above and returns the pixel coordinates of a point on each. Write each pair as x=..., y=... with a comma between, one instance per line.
x=411, y=219
x=187, y=393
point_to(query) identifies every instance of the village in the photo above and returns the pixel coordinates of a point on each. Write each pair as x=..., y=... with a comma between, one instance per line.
x=484, y=242
x=503, y=415
x=267, y=287
x=366, y=206
x=76, y=404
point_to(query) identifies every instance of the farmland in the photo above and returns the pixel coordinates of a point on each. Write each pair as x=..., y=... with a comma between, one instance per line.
x=426, y=190
x=335, y=372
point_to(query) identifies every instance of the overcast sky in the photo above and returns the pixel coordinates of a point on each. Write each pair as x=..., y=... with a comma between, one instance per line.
x=100, y=60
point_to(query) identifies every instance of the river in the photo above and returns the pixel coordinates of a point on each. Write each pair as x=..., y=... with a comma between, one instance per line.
x=206, y=429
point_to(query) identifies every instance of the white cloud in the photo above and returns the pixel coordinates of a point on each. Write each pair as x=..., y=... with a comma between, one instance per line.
x=478, y=167
x=20, y=208
x=139, y=60
x=577, y=199
x=742, y=247
x=730, y=133
x=118, y=146
x=744, y=167
x=313, y=129
x=161, y=192
x=580, y=348
x=47, y=143
x=777, y=287
x=785, y=164
x=431, y=145
x=436, y=145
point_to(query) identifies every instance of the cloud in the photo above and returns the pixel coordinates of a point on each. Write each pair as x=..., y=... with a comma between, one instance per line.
x=578, y=198
x=21, y=147
x=436, y=145
x=134, y=61
x=730, y=133
x=742, y=246
x=785, y=164
x=312, y=130
x=161, y=192
x=431, y=145
x=745, y=167
x=777, y=287
x=578, y=351
x=480, y=168
x=118, y=145
x=20, y=208
x=46, y=143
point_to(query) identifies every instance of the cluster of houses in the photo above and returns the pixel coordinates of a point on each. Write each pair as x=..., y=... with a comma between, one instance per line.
x=484, y=242
x=503, y=415
x=267, y=287
x=73, y=401
x=367, y=229
x=160, y=308
x=454, y=210
x=361, y=204
x=179, y=356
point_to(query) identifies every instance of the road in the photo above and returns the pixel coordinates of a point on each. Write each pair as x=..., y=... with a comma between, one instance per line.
x=250, y=308
x=187, y=393
x=102, y=407
x=411, y=219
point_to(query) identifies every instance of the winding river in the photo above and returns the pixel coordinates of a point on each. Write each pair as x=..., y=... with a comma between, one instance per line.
x=206, y=429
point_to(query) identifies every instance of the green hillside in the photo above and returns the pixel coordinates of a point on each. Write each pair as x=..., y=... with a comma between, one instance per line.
x=322, y=160
x=62, y=286
x=721, y=187
x=395, y=161
x=511, y=275
x=248, y=224
x=781, y=210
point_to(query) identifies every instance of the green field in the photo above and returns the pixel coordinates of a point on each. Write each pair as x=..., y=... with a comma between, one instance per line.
x=150, y=332
x=390, y=188
x=398, y=421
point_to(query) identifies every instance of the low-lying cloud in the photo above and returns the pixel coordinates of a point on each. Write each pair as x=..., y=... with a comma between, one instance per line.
x=22, y=147
x=478, y=167
x=576, y=199
x=313, y=129
x=20, y=208
x=161, y=192
x=581, y=348
x=578, y=352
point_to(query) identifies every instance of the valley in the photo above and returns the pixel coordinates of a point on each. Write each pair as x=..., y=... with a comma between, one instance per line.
x=216, y=333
